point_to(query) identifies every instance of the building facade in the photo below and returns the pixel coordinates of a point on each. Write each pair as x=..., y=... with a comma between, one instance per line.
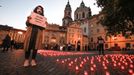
x=54, y=37
x=111, y=42
x=18, y=35
x=74, y=35
x=95, y=30
x=81, y=33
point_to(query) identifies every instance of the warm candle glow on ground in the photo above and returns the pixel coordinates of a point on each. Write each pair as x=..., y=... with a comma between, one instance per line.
x=90, y=65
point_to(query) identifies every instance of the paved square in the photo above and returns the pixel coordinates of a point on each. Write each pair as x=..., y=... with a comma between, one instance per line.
x=69, y=63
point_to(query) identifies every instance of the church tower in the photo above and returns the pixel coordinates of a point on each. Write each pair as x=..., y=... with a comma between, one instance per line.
x=67, y=15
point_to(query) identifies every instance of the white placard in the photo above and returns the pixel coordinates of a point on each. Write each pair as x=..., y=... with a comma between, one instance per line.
x=38, y=20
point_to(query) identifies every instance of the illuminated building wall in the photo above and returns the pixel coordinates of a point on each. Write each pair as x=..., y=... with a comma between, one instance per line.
x=74, y=34
x=54, y=35
x=16, y=34
x=96, y=30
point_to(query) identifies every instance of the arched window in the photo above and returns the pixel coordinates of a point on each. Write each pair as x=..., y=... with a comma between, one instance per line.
x=83, y=15
x=76, y=16
x=91, y=39
x=85, y=29
x=69, y=13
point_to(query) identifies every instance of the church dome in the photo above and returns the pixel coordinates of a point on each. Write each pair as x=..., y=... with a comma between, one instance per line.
x=82, y=12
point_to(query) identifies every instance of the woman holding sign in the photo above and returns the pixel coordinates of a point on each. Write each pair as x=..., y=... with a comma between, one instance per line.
x=33, y=38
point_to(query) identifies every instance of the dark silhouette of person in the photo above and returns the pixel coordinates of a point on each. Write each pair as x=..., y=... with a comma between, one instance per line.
x=101, y=45
x=33, y=38
x=116, y=47
x=12, y=44
x=6, y=43
x=78, y=46
x=69, y=46
x=86, y=48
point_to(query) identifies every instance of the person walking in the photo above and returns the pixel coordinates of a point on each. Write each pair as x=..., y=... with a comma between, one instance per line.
x=78, y=46
x=6, y=43
x=100, y=46
x=33, y=38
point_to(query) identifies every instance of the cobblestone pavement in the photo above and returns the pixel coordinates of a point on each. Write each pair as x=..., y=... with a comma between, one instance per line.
x=69, y=63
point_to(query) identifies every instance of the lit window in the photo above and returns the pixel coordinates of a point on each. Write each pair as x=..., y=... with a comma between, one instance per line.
x=20, y=32
x=91, y=25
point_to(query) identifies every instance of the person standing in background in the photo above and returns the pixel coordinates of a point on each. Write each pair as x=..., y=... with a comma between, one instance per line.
x=100, y=43
x=6, y=43
x=12, y=44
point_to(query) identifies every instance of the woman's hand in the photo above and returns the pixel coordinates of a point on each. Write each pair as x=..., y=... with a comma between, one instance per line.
x=29, y=18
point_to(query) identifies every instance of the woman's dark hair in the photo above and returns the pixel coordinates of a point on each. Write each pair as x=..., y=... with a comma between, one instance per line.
x=35, y=10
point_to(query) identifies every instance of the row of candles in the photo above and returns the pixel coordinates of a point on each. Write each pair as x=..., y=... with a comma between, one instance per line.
x=107, y=65
x=59, y=53
x=82, y=63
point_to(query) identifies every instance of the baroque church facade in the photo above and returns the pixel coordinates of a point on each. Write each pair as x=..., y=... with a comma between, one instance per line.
x=77, y=29
x=90, y=29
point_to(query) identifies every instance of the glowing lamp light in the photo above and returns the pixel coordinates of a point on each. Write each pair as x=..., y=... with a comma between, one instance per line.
x=114, y=38
x=20, y=32
x=107, y=62
x=81, y=65
x=131, y=61
x=99, y=60
x=107, y=73
x=126, y=63
x=94, y=66
x=79, y=57
x=119, y=64
x=85, y=60
x=92, y=69
x=91, y=62
x=75, y=60
x=65, y=59
x=68, y=59
x=105, y=67
x=130, y=71
x=63, y=62
x=131, y=66
x=115, y=65
x=57, y=60
x=76, y=68
x=85, y=73
x=70, y=64
x=103, y=64
x=82, y=62
x=122, y=67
